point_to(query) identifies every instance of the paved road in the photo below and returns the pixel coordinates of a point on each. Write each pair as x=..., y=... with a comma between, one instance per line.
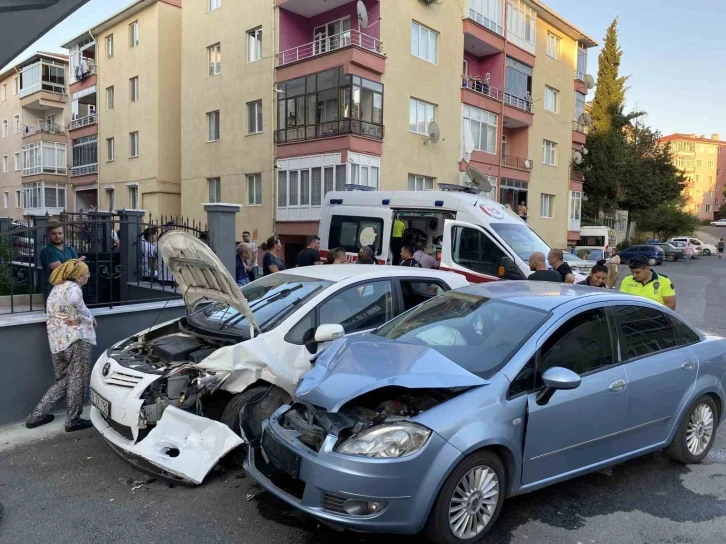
x=73, y=489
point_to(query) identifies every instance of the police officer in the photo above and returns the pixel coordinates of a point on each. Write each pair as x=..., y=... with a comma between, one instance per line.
x=648, y=283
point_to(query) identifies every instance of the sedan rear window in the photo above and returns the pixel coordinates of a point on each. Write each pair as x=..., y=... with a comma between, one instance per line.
x=477, y=333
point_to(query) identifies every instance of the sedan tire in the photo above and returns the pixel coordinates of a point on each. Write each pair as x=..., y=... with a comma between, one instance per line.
x=652, y=262
x=469, y=501
x=671, y=258
x=696, y=432
x=707, y=252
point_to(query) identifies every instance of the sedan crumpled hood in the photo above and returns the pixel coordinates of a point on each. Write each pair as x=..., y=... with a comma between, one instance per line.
x=358, y=364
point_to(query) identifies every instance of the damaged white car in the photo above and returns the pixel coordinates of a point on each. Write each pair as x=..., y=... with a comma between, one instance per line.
x=169, y=398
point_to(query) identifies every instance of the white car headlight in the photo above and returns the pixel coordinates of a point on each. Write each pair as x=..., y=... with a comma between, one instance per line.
x=387, y=441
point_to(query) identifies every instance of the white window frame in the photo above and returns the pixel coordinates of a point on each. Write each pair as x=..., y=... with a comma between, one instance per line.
x=254, y=116
x=485, y=124
x=111, y=149
x=213, y=5
x=546, y=206
x=418, y=114
x=5, y=92
x=16, y=85
x=134, y=144
x=16, y=123
x=214, y=190
x=421, y=183
x=213, y=121
x=254, y=189
x=5, y=128
x=214, y=60
x=18, y=161
x=554, y=45
x=488, y=13
x=110, y=98
x=552, y=99
x=18, y=198
x=6, y=164
x=43, y=157
x=421, y=50
x=708, y=208
x=134, y=89
x=133, y=196
x=575, y=210
x=109, y=46
x=6, y=200
x=549, y=153
x=134, y=34
x=522, y=25
x=111, y=197
x=254, y=44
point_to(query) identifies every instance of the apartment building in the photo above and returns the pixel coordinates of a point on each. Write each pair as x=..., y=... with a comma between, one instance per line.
x=703, y=161
x=125, y=130
x=11, y=135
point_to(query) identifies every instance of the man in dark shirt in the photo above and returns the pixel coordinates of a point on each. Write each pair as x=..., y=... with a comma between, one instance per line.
x=540, y=272
x=556, y=260
x=407, y=257
x=311, y=254
x=54, y=254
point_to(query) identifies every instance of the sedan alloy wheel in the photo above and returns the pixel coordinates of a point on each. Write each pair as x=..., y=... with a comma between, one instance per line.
x=700, y=429
x=474, y=501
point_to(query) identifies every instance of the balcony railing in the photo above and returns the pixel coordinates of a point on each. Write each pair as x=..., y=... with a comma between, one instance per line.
x=523, y=104
x=579, y=75
x=44, y=86
x=516, y=162
x=82, y=122
x=326, y=130
x=45, y=169
x=44, y=128
x=83, y=70
x=481, y=87
x=84, y=170
x=577, y=176
x=331, y=43
x=579, y=127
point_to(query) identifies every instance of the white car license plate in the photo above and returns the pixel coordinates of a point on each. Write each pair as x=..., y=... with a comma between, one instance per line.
x=102, y=404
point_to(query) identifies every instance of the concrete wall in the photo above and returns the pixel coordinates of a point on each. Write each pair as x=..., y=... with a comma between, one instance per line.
x=26, y=365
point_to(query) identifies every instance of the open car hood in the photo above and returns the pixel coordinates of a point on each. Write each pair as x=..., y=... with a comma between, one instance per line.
x=355, y=365
x=200, y=274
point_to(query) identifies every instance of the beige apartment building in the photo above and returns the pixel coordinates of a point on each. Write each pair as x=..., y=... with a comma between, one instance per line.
x=10, y=145
x=125, y=98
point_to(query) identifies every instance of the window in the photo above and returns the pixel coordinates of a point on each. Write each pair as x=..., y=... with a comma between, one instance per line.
x=360, y=307
x=683, y=333
x=483, y=127
x=474, y=250
x=110, y=149
x=134, y=34
x=109, y=46
x=134, y=89
x=18, y=198
x=710, y=179
x=420, y=116
x=44, y=75
x=583, y=344
x=417, y=292
x=580, y=100
x=45, y=158
x=254, y=44
x=254, y=189
x=16, y=124
x=44, y=195
x=521, y=25
x=351, y=233
x=214, y=53
x=552, y=99
x=575, y=209
x=488, y=13
x=213, y=126
x=6, y=200
x=304, y=184
x=16, y=85
x=420, y=183
x=547, y=206
x=134, y=144
x=424, y=43
x=6, y=164
x=364, y=170
x=214, y=188
x=708, y=207
x=109, y=97
x=133, y=197
x=213, y=4
x=16, y=161
x=85, y=151
x=708, y=194
x=553, y=46
x=710, y=164
x=549, y=153
x=5, y=128
x=5, y=91
x=111, y=198
x=518, y=84
x=581, y=61
x=644, y=331
x=254, y=117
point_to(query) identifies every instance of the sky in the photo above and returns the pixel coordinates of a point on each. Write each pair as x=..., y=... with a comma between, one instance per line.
x=672, y=53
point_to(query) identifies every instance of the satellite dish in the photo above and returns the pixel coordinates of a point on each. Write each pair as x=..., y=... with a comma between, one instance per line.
x=585, y=119
x=589, y=81
x=434, y=133
x=577, y=157
x=584, y=150
x=478, y=179
x=362, y=14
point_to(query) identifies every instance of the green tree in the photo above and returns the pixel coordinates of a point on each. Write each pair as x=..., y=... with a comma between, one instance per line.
x=667, y=220
x=610, y=93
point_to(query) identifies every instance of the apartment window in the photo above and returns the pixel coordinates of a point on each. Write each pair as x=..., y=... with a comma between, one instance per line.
x=698, y=178
x=708, y=207
x=110, y=94
x=6, y=199
x=214, y=188
x=581, y=61
x=549, y=153
x=710, y=164
x=134, y=89
x=420, y=183
x=45, y=158
x=364, y=170
x=552, y=99
x=710, y=179
x=575, y=209
x=547, y=206
x=5, y=128
x=110, y=149
x=85, y=151
x=699, y=164
x=109, y=46
x=134, y=34
x=254, y=44
x=518, y=84
x=488, y=13
x=111, y=199
x=483, y=127
x=16, y=124
x=553, y=46
x=424, y=43
x=254, y=189
x=214, y=55
x=5, y=92
x=134, y=144
x=213, y=4
x=6, y=164
x=521, y=25
x=580, y=100
x=254, y=117
x=16, y=161
x=41, y=194
x=133, y=197
x=18, y=198
x=708, y=194
x=213, y=126
x=421, y=115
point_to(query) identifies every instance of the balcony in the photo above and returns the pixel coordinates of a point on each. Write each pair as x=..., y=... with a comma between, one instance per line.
x=349, y=38
x=481, y=87
x=577, y=176
x=84, y=70
x=524, y=104
x=579, y=75
x=43, y=128
x=84, y=170
x=82, y=122
x=517, y=163
x=330, y=129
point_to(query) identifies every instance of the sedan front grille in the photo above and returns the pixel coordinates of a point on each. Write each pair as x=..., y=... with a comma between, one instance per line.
x=122, y=379
x=121, y=429
x=333, y=503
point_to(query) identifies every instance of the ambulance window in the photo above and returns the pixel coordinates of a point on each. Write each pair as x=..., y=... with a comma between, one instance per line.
x=474, y=250
x=352, y=233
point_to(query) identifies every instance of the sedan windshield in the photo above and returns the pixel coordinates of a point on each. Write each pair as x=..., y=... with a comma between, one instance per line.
x=522, y=239
x=590, y=254
x=477, y=333
x=271, y=299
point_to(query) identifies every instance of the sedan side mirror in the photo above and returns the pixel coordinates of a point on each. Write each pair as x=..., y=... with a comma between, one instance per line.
x=329, y=332
x=556, y=378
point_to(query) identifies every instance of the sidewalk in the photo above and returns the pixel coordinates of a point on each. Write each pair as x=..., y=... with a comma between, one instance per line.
x=16, y=434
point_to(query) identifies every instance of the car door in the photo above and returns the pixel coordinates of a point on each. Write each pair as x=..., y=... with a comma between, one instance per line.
x=575, y=428
x=661, y=372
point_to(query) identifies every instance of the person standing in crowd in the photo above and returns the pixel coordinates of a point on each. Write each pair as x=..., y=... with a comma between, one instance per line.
x=252, y=264
x=407, y=257
x=522, y=210
x=539, y=269
x=397, y=240
x=336, y=256
x=689, y=251
x=365, y=256
x=720, y=247
x=311, y=254
x=423, y=258
x=613, y=264
x=149, y=256
x=244, y=254
x=71, y=333
x=648, y=283
x=598, y=275
x=555, y=258
x=374, y=252
x=271, y=262
x=54, y=254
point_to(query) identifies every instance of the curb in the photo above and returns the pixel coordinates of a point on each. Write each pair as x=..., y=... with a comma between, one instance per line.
x=16, y=434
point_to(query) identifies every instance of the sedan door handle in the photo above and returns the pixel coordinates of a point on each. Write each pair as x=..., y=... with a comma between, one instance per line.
x=617, y=386
x=688, y=365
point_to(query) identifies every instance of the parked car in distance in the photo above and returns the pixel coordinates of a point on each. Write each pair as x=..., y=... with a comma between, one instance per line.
x=578, y=265
x=409, y=428
x=719, y=223
x=591, y=255
x=697, y=251
x=672, y=253
x=22, y=244
x=706, y=249
x=654, y=254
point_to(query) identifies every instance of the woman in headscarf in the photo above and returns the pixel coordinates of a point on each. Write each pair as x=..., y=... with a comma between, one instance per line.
x=71, y=333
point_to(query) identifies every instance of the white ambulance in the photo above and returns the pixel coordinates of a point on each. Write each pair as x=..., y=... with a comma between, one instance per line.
x=466, y=232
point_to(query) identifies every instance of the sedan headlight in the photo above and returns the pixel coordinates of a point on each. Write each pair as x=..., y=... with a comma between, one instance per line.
x=387, y=441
